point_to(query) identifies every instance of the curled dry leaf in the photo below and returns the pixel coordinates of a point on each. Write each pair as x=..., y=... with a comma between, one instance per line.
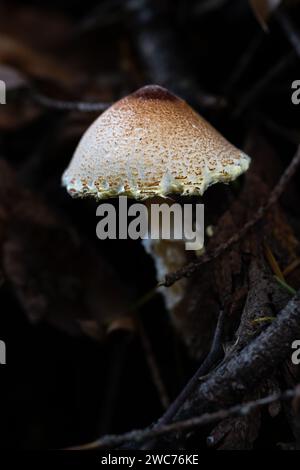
x=56, y=277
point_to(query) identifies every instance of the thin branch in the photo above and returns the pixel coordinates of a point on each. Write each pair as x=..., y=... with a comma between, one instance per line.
x=61, y=105
x=139, y=436
x=245, y=369
x=188, y=270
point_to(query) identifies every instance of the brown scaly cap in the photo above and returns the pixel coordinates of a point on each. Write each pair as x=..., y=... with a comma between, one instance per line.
x=151, y=143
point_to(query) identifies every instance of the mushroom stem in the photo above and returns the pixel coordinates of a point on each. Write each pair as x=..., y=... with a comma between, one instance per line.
x=167, y=255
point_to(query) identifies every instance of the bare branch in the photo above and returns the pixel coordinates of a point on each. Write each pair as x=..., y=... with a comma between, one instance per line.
x=139, y=436
x=61, y=105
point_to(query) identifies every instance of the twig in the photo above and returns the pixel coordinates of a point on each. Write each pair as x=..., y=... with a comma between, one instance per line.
x=60, y=105
x=188, y=270
x=138, y=436
x=246, y=369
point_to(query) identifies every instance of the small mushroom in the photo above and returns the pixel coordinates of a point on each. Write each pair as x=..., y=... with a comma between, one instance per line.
x=152, y=144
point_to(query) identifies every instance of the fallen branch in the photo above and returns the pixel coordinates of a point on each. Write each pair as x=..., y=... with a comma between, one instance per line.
x=228, y=382
x=243, y=371
x=139, y=436
x=189, y=269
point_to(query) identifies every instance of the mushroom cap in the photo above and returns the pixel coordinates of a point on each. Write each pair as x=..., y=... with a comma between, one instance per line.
x=151, y=143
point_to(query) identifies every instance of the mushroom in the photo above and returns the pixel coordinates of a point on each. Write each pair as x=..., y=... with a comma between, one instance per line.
x=152, y=144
